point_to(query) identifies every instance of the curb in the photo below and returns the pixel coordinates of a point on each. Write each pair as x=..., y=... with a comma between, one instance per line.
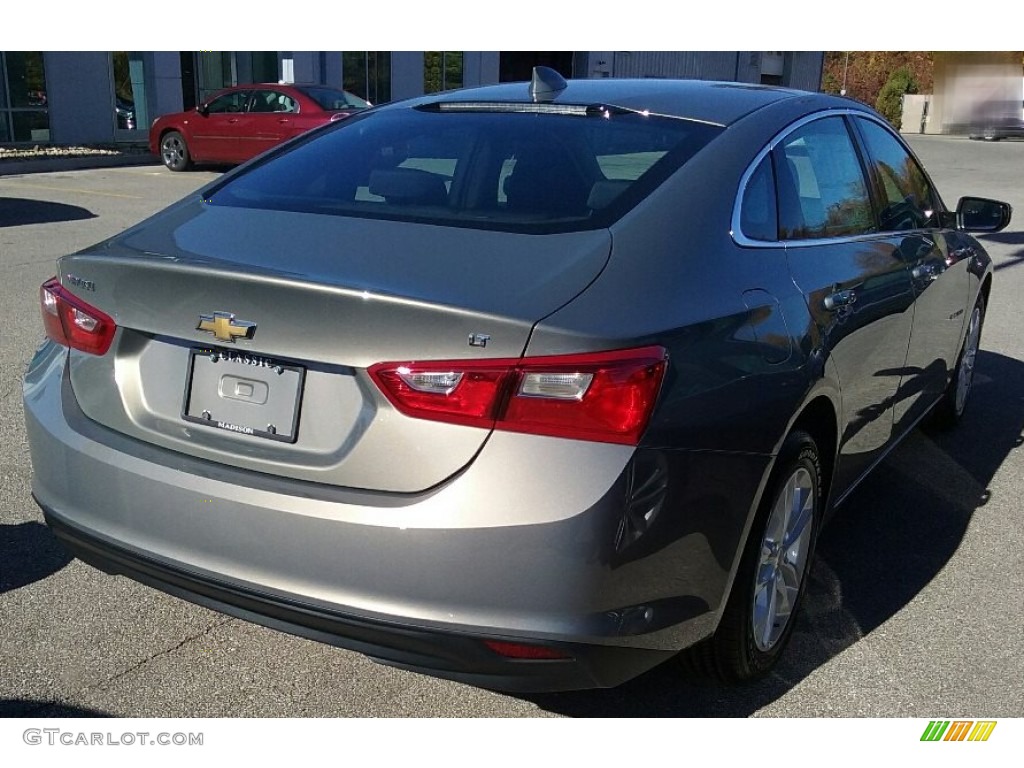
x=51, y=164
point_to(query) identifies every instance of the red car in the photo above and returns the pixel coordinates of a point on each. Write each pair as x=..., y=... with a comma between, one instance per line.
x=241, y=122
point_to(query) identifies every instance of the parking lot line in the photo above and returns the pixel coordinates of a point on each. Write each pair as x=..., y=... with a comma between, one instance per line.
x=73, y=190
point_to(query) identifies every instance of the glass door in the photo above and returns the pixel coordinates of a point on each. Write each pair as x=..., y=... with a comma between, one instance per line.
x=130, y=111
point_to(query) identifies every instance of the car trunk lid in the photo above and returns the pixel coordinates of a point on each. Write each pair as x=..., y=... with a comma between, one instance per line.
x=326, y=297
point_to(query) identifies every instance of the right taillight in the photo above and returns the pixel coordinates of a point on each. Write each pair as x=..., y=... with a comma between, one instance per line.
x=72, y=322
x=601, y=396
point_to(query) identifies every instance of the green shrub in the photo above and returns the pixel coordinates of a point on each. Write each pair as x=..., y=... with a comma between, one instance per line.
x=890, y=98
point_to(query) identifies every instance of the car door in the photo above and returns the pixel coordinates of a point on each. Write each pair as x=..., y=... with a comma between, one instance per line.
x=215, y=131
x=909, y=214
x=271, y=119
x=857, y=289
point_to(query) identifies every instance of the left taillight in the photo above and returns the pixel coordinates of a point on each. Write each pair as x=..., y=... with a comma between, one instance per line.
x=72, y=322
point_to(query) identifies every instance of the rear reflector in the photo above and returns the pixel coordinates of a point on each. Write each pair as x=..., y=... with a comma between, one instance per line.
x=603, y=396
x=70, y=321
x=523, y=651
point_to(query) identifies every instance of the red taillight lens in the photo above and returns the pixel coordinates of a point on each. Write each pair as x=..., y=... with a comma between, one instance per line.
x=471, y=401
x=603, y=396
x=524, y=651
x=70, y=321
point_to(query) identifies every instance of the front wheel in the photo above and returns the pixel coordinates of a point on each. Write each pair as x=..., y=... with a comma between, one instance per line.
x=951, y=407
x=174, y=152
x=772, y=577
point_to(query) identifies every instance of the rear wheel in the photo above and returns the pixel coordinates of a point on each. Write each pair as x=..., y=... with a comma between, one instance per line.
x=760, y=614
x=174, y=151
x=951, y=407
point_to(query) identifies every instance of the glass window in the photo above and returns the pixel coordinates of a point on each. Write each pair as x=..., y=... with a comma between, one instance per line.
x=216, y=71
x=821, y=188
x=332, y=100
x=26, y=81
x=23, y=98
x=442, y=71
x=30, y=125
x=908, y=201
x=517, y=172
x=264, y=66
x=5, y=131
x=272, y=101
x=758, y=215
x=368, y=74
x=128, y=70
x=229, y=102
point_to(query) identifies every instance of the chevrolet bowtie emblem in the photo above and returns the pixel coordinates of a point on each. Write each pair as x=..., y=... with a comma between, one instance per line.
x=224, y=326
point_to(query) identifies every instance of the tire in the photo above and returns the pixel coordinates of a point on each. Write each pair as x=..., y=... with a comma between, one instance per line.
x=174, y=151
x=950, y=409
x=755, y=626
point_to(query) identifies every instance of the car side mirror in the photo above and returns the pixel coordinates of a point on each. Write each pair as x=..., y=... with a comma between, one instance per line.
x=978, y=214
x=203, y=110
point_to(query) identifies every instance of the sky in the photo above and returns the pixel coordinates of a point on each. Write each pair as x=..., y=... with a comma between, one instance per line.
x=478, y=25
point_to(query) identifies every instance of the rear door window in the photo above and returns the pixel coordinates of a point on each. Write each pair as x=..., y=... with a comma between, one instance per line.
x=822, y=192
x=273, y=101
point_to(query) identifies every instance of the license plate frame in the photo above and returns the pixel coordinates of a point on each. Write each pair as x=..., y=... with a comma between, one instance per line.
x=252, y=395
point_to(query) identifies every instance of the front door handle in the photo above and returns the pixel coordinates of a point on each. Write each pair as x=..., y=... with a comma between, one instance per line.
x=840, y=299
x=924, y=273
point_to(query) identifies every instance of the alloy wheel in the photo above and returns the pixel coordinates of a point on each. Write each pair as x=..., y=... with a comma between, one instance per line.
x=965, y=376
x=783, y=559
x=173, y=150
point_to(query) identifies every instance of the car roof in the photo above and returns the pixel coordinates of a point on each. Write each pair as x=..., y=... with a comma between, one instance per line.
x=704, y=100
x=246, y=86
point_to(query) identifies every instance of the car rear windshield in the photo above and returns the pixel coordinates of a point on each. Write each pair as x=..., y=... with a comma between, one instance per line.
x=334, y=100
x=488, y=169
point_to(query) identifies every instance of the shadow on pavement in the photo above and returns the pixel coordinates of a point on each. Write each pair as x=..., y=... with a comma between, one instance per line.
x=890, y=538
x=34, y=708
x=1006, y=238
x=17, y=211
x=28, y=553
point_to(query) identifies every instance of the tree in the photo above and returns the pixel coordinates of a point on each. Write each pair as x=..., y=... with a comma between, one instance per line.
x=890, y=98
x=863, y=73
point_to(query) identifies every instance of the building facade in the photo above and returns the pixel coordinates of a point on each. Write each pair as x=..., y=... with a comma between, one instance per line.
x=103, y=97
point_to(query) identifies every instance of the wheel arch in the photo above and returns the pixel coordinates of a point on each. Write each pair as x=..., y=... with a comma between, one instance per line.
x=818, y=415
x=170, y=129
x=820, y=419
x=986, y=287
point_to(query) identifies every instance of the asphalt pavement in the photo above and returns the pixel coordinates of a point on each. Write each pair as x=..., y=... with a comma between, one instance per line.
x=914, y=608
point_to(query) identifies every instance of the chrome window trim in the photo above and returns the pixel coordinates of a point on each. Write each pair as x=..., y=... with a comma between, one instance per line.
x=746, y=242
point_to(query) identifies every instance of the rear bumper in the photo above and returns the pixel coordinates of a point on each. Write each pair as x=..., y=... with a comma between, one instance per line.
x=414, y=580
x=462, y=657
